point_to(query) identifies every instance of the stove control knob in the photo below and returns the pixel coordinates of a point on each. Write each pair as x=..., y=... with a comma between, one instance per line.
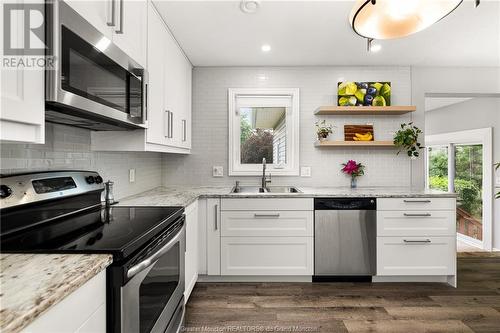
x=98, y=179
x=90, y=179
x=5, y=191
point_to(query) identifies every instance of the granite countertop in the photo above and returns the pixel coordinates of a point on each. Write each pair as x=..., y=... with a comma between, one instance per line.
x=32, y=283
x=185, y=195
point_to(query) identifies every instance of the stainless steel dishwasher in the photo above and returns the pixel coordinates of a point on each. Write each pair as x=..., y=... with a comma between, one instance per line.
x=344, y=239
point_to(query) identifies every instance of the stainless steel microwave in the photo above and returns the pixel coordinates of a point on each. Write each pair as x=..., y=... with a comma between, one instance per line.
x=93, y=83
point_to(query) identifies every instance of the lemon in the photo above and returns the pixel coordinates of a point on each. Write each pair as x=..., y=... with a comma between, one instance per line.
x=347, y=88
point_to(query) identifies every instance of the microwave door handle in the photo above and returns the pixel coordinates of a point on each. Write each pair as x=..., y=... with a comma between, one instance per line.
x=155, y=256
x=119, y=11
x=110, y=20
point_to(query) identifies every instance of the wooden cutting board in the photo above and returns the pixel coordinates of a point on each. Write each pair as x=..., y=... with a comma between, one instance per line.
x=351, y=130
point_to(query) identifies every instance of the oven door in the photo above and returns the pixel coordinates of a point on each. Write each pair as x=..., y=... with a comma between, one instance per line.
x=93, y=82
x=152, y=297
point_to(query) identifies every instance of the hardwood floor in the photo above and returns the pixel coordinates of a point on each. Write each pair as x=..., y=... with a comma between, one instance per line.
x=353, y=307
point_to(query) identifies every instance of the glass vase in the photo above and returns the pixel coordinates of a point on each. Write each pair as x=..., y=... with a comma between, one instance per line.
x=354, y=182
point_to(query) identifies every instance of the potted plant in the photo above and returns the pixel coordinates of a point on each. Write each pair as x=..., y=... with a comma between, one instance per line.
x=407, y=139
x=354, y=170
x=323, y=130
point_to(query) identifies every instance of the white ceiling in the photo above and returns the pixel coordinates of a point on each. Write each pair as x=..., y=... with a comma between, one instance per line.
x=302, y=33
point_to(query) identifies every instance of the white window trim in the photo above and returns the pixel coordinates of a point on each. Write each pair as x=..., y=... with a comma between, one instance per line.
x=482, y=136
x=293, y=118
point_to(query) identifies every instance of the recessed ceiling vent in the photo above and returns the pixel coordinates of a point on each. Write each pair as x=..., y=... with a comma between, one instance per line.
x=249, y=6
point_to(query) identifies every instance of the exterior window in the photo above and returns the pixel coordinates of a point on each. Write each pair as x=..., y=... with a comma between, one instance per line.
x=263, y=124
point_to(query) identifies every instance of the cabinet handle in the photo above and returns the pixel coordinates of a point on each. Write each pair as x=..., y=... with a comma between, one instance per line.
x=166, y=124
x=424, y=241
x=266, y=215
x=171, y=130
x=111, y=13
x=216, y=210
x=417, y=215
x=120, y=17
x=417, y=201
x=184, y=135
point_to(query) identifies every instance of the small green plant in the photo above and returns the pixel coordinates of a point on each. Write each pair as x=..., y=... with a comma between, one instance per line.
x=407, y=139
x=323, y=129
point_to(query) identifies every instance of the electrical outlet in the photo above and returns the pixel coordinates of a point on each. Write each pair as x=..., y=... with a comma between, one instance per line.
x=305, y=171
x=131, y=175
x=217, y=171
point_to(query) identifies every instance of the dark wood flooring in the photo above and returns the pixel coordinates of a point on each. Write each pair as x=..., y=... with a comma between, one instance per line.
x=353, y=307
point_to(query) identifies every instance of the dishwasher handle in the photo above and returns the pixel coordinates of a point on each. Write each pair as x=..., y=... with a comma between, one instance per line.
x=345, y=204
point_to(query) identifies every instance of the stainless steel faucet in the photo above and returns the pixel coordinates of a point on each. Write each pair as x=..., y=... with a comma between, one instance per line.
x=265, y=179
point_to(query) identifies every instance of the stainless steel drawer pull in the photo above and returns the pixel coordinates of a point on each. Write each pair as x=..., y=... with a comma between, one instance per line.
x=424, y=241
x=417, y=201
x=417, y=215
x=216, y=215
x=266, y=215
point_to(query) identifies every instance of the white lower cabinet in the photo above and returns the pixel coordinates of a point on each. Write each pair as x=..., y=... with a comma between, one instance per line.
x=82, y=311
x=267, y=256
x=213, y=236
x=191, y=254
x=262, y=236
x=416, y=237
x=416, y=255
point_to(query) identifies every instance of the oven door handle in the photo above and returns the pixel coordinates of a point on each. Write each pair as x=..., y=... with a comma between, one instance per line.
x=155, y=256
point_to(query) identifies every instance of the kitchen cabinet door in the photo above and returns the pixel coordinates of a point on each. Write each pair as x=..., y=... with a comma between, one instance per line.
x=213, y=236
x=98, y=13
x=130, y=31
x=22, y=108
x=191, y=256
x=157, y=115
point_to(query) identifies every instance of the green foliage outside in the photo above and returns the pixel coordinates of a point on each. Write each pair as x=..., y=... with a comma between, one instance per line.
x=468, y=176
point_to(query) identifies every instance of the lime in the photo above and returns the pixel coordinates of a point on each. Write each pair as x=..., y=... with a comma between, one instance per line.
x=376, y=85
x=360, y=95
x=347, y=88
x=385, y=91
x=343, y=101
x=379, y=101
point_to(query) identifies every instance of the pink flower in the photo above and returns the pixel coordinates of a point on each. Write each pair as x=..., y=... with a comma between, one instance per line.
x=350, y=167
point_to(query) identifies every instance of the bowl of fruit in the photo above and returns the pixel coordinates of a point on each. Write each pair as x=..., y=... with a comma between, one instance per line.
x=364, y=93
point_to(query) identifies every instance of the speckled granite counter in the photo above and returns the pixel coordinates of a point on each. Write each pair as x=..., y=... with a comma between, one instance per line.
x=185, y=195
x=32, y=283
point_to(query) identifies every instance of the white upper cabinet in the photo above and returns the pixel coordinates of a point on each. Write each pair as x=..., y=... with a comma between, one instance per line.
x=22, y=110
x=130, y=30
x=123, y=21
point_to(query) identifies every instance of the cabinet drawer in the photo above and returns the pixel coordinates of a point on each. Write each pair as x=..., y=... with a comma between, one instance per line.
x=416, y=223
x=416, y=204
x=267, y=204
x=267, y=223
x=266, y=255
x=416, y=256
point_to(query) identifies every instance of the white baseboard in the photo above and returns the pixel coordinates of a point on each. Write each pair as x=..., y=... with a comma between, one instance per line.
x=449, y=279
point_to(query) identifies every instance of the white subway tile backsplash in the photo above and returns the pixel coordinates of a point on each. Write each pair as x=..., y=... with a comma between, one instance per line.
x=69, y=148
x=318, y=87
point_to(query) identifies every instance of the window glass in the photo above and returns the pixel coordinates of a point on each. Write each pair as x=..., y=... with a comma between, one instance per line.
x=438, y=168
x=263, y=135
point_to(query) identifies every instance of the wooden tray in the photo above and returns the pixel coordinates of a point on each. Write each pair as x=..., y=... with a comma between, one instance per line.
x=351, y=130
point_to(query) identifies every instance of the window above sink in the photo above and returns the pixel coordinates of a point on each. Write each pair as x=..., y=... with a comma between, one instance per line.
x=263, y=123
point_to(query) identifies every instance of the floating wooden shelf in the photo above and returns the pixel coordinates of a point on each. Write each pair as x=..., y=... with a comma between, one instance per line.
x=365, y=110
x=354, y=144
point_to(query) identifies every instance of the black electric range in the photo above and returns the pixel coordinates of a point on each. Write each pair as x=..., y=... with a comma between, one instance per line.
x=61, y=212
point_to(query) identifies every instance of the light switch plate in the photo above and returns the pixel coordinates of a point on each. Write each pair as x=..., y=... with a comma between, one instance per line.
x=131, y=175
x=217, y=171
x=305, y=171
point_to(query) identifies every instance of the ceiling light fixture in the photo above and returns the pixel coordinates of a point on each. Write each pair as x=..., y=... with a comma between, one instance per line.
x=249, y=6
x=387, y=19
x=265, y=48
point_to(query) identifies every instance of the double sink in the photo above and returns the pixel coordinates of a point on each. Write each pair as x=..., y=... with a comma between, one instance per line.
x=269, y=189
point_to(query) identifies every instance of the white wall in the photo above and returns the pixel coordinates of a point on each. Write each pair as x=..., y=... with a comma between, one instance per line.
x=318, y=86
x=69, y=148
x=472, y=114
